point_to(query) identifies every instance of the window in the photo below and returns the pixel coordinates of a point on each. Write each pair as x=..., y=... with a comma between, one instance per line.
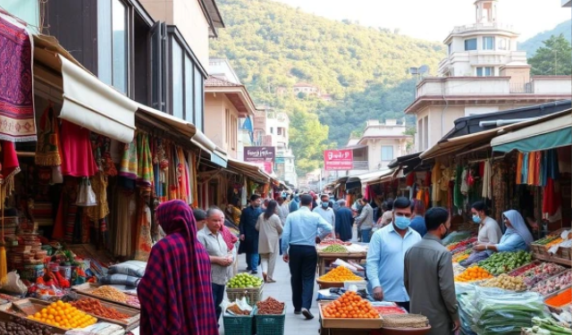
x=233, y=132
x=502, y=44
x=488, y=43
x=485, y=71
x=227, y=121
x=177, y=85
x=112, y=44
x=449, y=48
x=189, y=92
x=386, y=153
x=471, y=44
x=279, y=131
x=271, y=130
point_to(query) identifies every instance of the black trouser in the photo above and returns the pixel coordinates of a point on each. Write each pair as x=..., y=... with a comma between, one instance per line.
x=218, y=296
x=403, y=304
x=302, y=263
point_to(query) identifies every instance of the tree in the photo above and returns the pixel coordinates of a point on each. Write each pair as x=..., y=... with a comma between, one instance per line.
x=553, y=58
x=308, y=139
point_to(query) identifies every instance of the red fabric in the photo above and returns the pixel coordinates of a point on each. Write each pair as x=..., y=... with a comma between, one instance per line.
x=410, y=179
x=551, y=199
x=10, y=165
x=428, y=178
x=77, y=160
x=481, y=169
x=228, y=237
x=175, y=292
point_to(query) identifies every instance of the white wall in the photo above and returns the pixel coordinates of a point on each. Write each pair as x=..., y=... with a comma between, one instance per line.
x=555, y=85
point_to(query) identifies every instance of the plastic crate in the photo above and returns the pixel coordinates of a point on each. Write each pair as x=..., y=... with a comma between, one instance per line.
x=238, y=324
x=253, y=295
x=270, y=324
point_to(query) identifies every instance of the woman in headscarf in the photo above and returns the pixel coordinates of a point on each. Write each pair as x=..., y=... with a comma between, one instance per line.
x=516, y=237
x=175, y=292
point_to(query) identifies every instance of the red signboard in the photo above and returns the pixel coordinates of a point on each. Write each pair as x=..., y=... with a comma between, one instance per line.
x=338, y=159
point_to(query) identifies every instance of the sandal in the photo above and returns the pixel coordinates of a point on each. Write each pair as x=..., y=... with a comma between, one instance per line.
x=265, y=277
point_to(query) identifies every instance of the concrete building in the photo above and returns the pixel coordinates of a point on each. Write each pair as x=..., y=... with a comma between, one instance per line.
x=482, y=73
x=271, y=128
x=566, y=3
x=306, y=88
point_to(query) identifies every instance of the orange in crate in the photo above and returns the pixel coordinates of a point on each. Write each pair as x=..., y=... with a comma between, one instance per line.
x=350, y=306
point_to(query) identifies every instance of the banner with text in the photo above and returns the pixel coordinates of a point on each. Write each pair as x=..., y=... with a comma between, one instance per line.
x=259, y=154
x=338, y=159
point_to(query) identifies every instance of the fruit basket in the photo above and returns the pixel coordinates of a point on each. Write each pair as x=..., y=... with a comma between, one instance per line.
x=252, y=295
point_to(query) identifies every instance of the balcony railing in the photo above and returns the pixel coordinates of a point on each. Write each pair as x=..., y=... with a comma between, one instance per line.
x=481, y=26
x=521, y=88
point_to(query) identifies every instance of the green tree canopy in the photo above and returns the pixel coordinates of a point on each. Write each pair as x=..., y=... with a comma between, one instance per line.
x=554, y=58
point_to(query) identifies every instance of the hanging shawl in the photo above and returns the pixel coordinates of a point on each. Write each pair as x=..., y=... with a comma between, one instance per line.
x=129, y=164
x=144, y=161
x=518, y=226
x=47, y=149
x=182, y=175
x=175, y=292
x=10, y=166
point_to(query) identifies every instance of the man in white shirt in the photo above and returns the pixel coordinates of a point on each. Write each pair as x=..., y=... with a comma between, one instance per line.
x=326, y=212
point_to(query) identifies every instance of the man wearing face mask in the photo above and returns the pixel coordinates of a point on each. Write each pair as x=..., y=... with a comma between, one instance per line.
x=429, y=278
x=386, y=253
x=325, y=211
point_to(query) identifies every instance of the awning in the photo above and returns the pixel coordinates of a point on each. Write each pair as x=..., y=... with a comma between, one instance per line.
x=457, y=144
x=219, y=157
x=546, y=135
x=87, y=101
x=373, y=176
x=250, y=170
x=153, y=116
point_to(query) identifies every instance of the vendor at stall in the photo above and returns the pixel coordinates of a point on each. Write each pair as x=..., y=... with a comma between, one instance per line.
x=516, y=237
x=489, y=232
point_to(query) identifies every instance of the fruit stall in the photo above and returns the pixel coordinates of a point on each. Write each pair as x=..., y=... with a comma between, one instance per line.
x=330, y=250
x=516, y=292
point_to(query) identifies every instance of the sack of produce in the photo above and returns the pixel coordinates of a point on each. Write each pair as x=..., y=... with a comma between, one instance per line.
x=130, y=268
x=405, y=321
x=503, y=312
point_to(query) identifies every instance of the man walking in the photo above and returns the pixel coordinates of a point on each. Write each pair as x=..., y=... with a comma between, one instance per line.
x=325, y=211
x=294, y=203
x=299, y=245
x=386, y=255
x=364, y=220
x=249, y=234
x=211, y=238
x=429, y=276
x=344, y=222
x=282, y=209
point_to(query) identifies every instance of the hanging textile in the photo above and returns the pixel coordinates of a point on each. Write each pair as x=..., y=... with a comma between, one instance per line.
x=410, y=179
x=182, y=177
x=538, y=164
x=129, y=164
x=486, y=180
x=464, y=183
x=519, y=163
x=552, y=198
x=435, y=188
x=531, y=168
x=458, y=195
x=77, y=155
x=122, y=229
x=144, y=161
x=525, y=166
x=144, y=241
x=99, y=186
x=17, y=123
x=47, y=148
x=10, y=167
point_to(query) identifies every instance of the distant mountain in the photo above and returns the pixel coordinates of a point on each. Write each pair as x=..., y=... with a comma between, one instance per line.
x=535, y=42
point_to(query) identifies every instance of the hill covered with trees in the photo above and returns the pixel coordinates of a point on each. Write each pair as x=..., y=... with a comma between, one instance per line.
x=359, y=72
x=532, y=44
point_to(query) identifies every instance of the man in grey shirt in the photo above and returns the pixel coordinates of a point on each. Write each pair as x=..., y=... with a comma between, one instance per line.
x=428, y=276
x=211, y=238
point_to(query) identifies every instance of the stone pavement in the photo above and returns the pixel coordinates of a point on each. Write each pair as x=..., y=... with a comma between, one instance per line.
x=281, y=291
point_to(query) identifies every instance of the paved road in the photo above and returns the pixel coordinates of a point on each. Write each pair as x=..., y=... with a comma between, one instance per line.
x=281, y=291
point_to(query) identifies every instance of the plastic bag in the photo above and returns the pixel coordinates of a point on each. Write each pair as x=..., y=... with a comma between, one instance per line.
x=14, y=284
x=86, y=196
x=242, y=305
x=101, y=328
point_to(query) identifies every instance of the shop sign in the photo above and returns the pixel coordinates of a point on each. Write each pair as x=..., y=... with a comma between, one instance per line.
x=259, y=154
x=338, y=159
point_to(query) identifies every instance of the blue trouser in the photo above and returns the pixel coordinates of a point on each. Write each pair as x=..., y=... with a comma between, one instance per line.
x=366, y=235
x=252, y=261
x=218, y=296
x=302, y=263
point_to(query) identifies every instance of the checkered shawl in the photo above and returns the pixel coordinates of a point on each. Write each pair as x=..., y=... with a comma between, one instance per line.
x=175, y=292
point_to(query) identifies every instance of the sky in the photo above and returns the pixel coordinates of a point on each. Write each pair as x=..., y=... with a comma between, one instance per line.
x=433, y=20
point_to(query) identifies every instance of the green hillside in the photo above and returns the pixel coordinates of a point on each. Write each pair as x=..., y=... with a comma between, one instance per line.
x=535, y=42
x=364, y=71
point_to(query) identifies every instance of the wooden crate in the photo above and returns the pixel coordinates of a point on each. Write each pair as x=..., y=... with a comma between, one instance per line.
x=87, y=288
x=129, y=324
x=6, y=317
x=348, y=323
x=31, y=306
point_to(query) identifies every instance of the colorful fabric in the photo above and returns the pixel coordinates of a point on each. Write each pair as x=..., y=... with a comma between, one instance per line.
x=144, y=242
x=10, y=166
x=177, y=280
x=17, y=122
x=435, y=187
x=144, y=161
x=531, y=168
x=47, y=149
x=519, y=162
x=129, y=165
x=99, y=186
x=77, y=155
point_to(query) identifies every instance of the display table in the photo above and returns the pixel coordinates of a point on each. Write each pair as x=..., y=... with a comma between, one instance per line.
x=325, y=257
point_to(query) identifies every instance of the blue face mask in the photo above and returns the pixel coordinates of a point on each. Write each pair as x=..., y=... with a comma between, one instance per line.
x=476, y=219
x=402, y=222
x=325, y=205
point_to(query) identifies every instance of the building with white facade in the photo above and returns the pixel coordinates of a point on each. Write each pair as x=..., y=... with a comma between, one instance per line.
x=483, y=72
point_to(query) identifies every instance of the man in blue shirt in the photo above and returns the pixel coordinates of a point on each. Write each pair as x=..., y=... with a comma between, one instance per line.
x=386, y=254
x=249, y=234
x=299, y=244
